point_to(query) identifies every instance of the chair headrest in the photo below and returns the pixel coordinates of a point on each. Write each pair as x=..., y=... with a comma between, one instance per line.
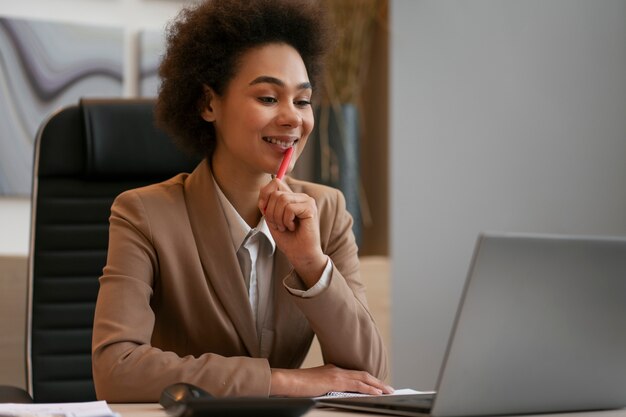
x=121, y=139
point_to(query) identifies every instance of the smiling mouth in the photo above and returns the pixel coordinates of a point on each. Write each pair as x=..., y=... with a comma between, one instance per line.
x=283, y=143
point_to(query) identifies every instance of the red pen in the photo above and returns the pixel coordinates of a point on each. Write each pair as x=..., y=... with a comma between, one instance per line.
x=285, y=164
x=283, y=167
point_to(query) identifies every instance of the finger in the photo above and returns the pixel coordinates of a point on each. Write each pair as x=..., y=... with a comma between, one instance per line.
x=289, y=218
x=270, y=213
x=264, y=195
x=377, y=383
x=296, y=206
x=371, y=381
x=283, y=213
x=279, y=209
x=268, y=189
x=364, y=388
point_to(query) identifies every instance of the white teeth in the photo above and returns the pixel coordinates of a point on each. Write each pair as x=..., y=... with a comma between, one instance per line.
x=277, y=142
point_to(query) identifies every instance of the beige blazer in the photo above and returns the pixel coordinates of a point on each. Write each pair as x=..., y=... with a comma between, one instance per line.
x=173, y=305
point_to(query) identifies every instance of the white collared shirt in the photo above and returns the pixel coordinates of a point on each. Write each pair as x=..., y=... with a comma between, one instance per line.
x=255, y=252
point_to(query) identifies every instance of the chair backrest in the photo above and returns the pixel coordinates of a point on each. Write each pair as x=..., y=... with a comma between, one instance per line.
x=85, y=155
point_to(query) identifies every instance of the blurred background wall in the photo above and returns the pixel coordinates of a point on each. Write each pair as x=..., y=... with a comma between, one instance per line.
x=505, y=115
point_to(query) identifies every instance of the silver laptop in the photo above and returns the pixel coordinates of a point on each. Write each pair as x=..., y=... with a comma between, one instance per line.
x=541, y=327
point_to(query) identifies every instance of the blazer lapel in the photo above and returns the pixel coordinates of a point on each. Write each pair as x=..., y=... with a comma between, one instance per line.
x=217, y=255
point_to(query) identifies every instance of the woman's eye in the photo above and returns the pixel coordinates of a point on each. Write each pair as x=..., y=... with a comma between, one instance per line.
x=303, y=103
x=267, y=100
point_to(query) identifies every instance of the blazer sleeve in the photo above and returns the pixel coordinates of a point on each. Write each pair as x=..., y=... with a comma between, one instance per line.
x=126, y=367
x=339, y=315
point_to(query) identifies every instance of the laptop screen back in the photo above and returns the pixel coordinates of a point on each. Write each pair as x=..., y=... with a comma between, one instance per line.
x=541, y=327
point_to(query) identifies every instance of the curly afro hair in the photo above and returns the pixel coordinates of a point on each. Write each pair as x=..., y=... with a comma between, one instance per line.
x=204, y=47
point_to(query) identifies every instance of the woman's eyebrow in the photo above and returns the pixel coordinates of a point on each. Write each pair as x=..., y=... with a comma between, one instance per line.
x=273, y=80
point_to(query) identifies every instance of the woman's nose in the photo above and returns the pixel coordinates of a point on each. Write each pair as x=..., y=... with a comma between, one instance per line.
x=289, y=115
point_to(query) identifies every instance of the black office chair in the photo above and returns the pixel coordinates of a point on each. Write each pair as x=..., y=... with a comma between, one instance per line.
x=85, y=155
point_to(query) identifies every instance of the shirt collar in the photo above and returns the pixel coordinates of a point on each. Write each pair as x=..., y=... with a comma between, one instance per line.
x=239, y=229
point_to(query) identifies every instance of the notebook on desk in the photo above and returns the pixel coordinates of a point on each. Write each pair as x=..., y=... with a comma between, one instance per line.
x=541, y=327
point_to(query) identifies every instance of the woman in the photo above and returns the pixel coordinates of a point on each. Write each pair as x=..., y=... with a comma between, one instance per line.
x=221, y=277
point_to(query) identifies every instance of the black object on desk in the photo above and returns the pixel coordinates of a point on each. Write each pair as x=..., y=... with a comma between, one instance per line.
x=245, y=407
x=180, y=393
x=187, y=400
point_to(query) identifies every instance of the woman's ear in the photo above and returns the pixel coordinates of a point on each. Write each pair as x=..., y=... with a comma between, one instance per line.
x=206, y=104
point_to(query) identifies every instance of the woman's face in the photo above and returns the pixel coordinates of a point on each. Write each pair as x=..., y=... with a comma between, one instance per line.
x=265, y=109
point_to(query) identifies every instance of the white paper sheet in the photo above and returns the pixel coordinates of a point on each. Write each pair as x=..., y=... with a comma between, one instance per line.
x=403, y=391
x=83, y=409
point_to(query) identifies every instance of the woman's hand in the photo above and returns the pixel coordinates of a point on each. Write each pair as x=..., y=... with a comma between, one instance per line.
x=293, y=221
x=313, y=382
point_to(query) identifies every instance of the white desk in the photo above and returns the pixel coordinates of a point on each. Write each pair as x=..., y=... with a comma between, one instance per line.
x=155, y=410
